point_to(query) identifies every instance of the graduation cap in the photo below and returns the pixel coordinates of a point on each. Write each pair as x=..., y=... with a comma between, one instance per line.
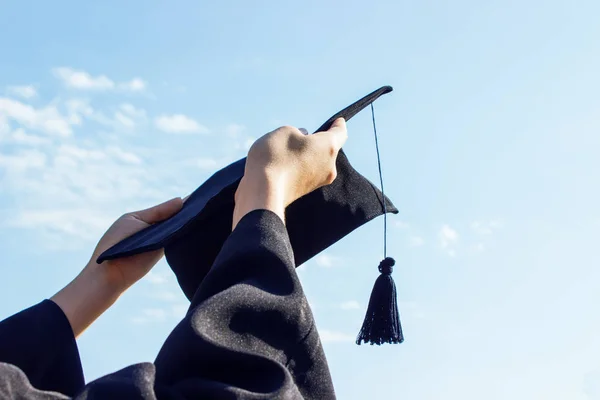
x=194, y=236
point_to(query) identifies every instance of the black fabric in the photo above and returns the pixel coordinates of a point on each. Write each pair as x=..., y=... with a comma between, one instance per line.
x=249, y=334
x=40, y=342
x=193, y=238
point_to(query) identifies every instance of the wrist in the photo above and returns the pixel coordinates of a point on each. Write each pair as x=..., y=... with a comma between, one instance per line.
x=85, y=298
x=104, y=282
x=260, y=191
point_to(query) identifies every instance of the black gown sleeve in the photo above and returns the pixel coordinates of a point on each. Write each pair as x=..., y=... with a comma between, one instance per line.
x=249, y=332
x=40, y=342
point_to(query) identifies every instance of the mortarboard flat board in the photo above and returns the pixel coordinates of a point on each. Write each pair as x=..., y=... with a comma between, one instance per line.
x=193, y=237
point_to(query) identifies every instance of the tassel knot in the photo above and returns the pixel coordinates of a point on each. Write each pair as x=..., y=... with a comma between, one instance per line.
x=386, y=266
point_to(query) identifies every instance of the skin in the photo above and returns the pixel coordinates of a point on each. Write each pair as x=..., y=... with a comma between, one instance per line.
x=281, y=167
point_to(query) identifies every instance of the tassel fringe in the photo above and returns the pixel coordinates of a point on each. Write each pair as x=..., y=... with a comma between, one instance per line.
x=382, y=322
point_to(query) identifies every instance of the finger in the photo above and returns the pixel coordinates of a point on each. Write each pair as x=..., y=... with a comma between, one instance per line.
x=336, y=135
x=160, y=212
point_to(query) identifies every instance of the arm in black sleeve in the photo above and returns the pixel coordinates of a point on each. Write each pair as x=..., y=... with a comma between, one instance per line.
x=249, y=332
x=40, y=342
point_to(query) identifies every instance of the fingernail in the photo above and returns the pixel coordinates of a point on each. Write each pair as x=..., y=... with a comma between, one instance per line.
x=304, y=131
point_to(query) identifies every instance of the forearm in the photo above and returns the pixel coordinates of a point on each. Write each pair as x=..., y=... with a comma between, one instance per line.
x=86, y=297
x=259, y=190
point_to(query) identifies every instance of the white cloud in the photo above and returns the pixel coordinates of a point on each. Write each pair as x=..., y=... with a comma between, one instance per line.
x=47, y=119
x=486, y=227
x=328, y=336
x=448, y=239
x=78, y=79
x=416, y=241
x=73, y=192
x=134, y=85
x=25, y=91
x=82, y=223
x=65, y=189
x=83, y=80
x=123, y=120
x=124, y=156
x=21, y=137
x=327, y=261
x=78, y=108
x=133, y=111
x=350, y=305
x=23, y=160
x=178, y=123
x=4, y=126
x=130, y=116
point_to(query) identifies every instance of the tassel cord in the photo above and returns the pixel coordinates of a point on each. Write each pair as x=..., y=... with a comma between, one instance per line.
x=381, y=183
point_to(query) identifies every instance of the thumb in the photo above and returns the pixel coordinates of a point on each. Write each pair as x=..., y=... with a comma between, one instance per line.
x=336, y=135
x=160, y=212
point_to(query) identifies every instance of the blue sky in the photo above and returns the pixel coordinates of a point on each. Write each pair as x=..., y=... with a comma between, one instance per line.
x=489, y=147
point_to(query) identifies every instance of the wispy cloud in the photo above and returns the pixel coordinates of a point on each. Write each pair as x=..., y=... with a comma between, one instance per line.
x=82, y=223
x=68, y=172
x=22, y=161
x=83, y=80
x=134, y=85
x=19, y=136
x=24, y=91
x=179, y=123
x=448, y=238
x=47, y=119
x=72, y=190
x=78, y=79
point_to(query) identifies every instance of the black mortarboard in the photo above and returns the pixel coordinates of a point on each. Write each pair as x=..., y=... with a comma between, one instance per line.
x=193, y=237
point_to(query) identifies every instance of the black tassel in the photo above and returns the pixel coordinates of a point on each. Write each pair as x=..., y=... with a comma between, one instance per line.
x=382, y=322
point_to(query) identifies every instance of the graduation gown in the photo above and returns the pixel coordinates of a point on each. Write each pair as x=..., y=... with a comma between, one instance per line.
x=249, y=334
